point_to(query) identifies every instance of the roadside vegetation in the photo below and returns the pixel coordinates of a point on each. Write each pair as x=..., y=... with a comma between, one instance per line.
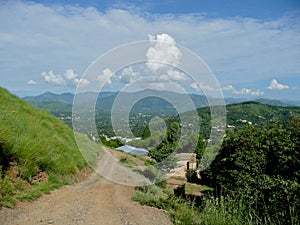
x=38, y=152
x=255, y=180
x=113, y=143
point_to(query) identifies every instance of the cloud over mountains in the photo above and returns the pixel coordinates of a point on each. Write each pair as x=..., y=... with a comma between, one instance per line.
x=274, y=85
x=69, y=78
x=37, y=37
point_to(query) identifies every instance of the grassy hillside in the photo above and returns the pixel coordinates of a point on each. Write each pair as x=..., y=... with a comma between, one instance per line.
x=37, y=151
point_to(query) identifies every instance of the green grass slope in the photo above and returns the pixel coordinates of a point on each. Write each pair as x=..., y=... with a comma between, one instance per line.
x=37, y=151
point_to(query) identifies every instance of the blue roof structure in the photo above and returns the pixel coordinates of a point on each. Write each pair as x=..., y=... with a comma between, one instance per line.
x=133, y=150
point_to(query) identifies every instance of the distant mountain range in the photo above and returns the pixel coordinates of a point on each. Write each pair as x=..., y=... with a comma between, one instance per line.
x=156, y=101
x=51, y=97
x=148, y=104
x=276, y=102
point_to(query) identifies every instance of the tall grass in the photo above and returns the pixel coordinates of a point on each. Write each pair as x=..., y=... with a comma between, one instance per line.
x=181, y=212
x=213, y=211
x=35, y=141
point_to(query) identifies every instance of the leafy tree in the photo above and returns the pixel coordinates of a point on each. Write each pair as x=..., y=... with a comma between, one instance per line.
x=261, y=165
x=162, y=151
x=113, y=143
x=200, y=147
x=168, y=145
x=146, y=133
x=173, y=133
x=294, y=128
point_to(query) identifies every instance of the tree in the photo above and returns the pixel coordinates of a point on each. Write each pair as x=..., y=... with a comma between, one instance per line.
x=146, y=133
x=260, y=165
x=113, y=143
x=173, y=134
x=294, y=128
x=200, y=148
x=168, y=145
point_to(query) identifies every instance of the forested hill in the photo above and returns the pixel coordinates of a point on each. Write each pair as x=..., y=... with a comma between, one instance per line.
x=62, y=103
x=242, y=114
x=258, y=113
x=38, y=152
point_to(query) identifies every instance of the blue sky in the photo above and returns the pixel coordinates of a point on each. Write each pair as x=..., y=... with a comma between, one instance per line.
x=252, y=47
x=213, y=8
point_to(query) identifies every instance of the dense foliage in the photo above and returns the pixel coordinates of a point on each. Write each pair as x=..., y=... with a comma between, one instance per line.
x=261, y=165
x=168, y=145
x=255, y=178
x=113, y=143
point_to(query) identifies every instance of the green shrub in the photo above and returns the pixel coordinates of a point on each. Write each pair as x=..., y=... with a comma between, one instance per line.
x=261, y=163
x=127, y=161
x=180, y=211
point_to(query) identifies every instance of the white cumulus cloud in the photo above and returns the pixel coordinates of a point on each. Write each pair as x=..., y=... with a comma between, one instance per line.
x=176, y=75
x=31, y=82
x=163, y=51
x=70, y=78
x=105, y=77
x=52, y=78
x=81, y=82
x=243, y=91
x=274, y=85
x=128, y=75
x=70, y=74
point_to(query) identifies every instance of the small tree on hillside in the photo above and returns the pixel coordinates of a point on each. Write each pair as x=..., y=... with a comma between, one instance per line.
x=168, y=145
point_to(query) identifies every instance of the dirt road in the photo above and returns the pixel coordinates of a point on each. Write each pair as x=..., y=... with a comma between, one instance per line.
x=94, y=201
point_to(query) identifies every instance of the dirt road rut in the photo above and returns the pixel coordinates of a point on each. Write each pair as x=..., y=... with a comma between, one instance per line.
x=94, y=201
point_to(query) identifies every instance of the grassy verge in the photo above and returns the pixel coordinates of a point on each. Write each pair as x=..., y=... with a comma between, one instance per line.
x=38, y=152
x=14, y=187
x=181, y=212
x=213, y=211
x=127, y=161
